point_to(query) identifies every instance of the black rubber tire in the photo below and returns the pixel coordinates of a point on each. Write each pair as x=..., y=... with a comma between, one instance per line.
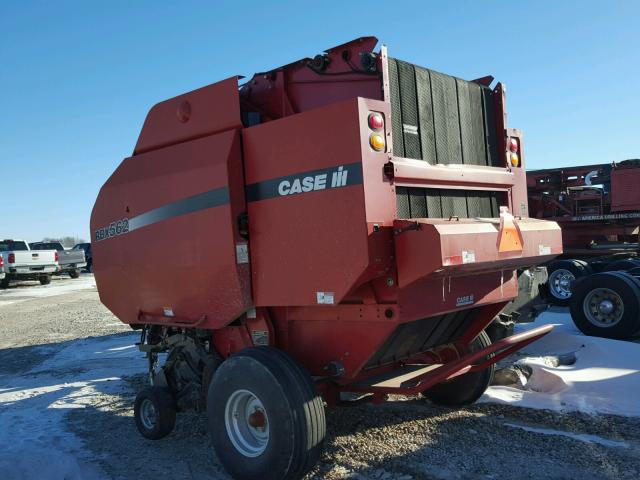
x=4, y=283
x=634, y=271
x=75, y=273
x=622, y=265
x=44, y=279
x=294, y=409
x=626, y=286
x=464, y=389
x=165, y=409
x=578, y=268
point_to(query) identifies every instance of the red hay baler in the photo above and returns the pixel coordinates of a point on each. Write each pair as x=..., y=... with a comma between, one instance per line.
x=335, y=230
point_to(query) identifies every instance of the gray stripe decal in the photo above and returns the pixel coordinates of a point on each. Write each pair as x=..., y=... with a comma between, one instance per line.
x=201, y=201
x=332, y=177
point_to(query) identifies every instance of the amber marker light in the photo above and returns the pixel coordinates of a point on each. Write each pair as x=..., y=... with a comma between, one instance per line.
x=377, y=142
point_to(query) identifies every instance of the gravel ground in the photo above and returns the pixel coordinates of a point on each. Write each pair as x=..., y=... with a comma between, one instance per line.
x=406, y=438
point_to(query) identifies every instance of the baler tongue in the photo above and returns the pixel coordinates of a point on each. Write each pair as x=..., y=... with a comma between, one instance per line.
x=456, y=247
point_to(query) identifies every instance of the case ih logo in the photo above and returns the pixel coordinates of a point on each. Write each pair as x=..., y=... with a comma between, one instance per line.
x=316, y=182
x=465, y=300
x=304, y=182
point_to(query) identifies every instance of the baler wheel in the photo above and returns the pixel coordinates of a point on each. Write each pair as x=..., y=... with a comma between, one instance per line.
x=266, y=418
x=154, y=412
x=464, y=389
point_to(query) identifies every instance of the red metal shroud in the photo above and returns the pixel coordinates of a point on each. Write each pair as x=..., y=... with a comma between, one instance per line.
x=265, y=213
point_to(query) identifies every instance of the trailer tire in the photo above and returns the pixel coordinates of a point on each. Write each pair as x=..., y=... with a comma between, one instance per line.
x=154, y=412
x=75, y=273
x=4, y=283
x=607, y=305
x=467, y=388
x=562, y=273
x=618, y=265
x=287, y=436
x=44, y=279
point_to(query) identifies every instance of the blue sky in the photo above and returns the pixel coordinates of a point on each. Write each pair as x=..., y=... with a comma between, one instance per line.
x=77, y=78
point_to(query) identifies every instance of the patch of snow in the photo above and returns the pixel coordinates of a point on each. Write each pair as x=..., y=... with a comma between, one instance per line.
x=58, y=286
x=582, y=437
x=33, y=440
x=604, y=379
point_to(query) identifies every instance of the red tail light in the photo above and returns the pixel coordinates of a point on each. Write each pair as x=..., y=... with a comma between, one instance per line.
x=1, y=261
x=12, y=258
x=56, y=256
x=376, y=122
x=513, y=145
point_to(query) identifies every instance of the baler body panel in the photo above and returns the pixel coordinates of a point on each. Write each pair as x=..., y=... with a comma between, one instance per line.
x=350, y=255
x=175, y=260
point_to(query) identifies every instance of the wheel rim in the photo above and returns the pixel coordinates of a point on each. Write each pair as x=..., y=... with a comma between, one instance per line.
x=560, y=283
x=247, y=423
x=603, y=307
x=148, y=414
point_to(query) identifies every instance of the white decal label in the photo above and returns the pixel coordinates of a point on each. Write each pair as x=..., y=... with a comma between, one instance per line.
x=468, y=256
x=324, y=298
x=260, y=337
x=168, y=312
x=466, y=300
x=544, y=250
x=251, y=313
x=242, y=253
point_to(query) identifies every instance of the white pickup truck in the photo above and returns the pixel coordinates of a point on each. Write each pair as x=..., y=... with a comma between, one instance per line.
x=69, y=261
x=20, y=263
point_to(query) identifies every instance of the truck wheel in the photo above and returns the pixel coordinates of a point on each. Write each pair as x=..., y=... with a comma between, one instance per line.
x=266, y=419
x=626, y=264
x=45, y=279
x=607, y=305
x=562, y=273
x=4, y=283
x=464, y=389
x=154, y=412
x=75, y=273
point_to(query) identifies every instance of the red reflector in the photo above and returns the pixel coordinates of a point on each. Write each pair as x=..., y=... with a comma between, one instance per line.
x=12, y=258
x=513, y=145
x=1, y=261
x=376, y=122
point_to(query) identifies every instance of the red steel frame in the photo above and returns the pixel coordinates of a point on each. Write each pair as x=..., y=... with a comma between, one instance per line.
x=203, y=269
x=614, y=215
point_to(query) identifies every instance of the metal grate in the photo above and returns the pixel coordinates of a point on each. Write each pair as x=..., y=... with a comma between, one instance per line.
x=442, y=119
x=445, y=203
x=439, y=118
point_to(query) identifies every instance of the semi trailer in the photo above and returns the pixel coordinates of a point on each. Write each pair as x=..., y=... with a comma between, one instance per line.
x=341, y=228
x=598, y=208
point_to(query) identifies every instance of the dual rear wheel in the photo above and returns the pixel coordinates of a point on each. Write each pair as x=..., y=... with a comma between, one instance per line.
x=607, y=305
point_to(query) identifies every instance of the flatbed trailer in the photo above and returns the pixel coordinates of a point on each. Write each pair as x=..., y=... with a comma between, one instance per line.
x=598, y=209
x=343, y=226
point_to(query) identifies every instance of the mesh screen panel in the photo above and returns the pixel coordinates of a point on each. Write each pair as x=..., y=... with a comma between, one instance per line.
x=442, y=119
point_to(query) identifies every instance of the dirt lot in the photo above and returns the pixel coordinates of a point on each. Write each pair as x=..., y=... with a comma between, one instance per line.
x=43, y=380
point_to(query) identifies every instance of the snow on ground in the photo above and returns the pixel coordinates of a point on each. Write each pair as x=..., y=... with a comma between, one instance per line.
x=59, y=285
x=605, y=377
x=33, y=440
